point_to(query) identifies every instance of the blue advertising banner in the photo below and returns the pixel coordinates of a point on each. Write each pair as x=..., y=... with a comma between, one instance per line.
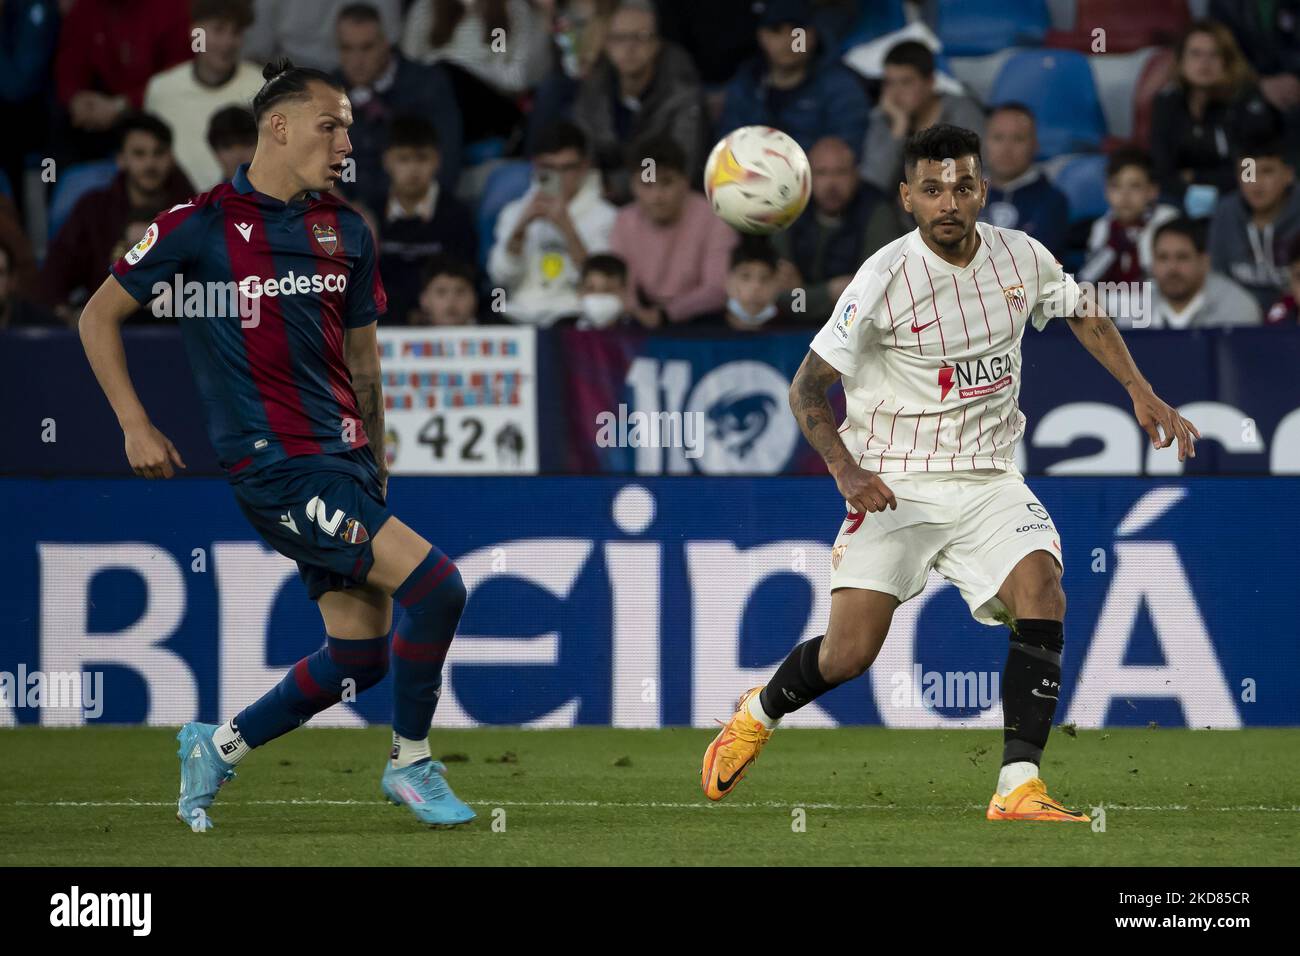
x=631, y=403
x=654, y=405
x=646, y=602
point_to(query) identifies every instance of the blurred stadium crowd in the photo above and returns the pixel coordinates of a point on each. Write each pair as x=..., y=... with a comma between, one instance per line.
x=499, y=144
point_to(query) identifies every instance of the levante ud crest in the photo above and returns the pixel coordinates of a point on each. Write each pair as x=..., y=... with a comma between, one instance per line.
x=326, y=236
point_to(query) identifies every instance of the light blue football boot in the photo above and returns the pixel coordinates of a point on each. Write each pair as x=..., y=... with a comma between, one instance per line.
x=203, y=773
x=422, y=787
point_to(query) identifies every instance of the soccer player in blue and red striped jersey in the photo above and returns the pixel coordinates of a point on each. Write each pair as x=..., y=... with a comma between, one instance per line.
x=285, y=355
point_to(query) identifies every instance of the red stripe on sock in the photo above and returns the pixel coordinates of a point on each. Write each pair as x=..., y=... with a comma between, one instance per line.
x=307, y=685
x=431, y=580
x=423, y=653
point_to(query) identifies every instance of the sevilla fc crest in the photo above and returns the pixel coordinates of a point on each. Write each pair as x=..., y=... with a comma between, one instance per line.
x=326, y=236
x=355, y=532
x=1016, y=296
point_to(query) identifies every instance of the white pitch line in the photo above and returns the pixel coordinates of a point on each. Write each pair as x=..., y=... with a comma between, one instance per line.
x=648, y=805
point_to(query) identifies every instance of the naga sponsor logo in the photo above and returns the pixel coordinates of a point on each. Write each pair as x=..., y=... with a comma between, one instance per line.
x=975, y=378
x=293, y=284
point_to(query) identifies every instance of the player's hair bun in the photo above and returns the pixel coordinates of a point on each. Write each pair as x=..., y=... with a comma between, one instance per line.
x=276, y=68
x=285, y=81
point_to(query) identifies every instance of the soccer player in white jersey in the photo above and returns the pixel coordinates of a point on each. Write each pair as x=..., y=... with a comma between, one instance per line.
x=926, y=339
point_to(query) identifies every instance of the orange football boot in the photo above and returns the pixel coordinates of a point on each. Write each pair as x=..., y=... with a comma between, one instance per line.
x=733, y=750
x=1030, y=801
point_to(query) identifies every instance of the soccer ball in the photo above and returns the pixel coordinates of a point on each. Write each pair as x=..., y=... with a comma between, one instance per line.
x=757, y=179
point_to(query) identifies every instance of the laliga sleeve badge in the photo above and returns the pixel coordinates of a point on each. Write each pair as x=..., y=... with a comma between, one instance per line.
x=136, y=252
x=845, y=322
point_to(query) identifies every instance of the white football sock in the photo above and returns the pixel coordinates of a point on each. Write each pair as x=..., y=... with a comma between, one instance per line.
x=755, y=708
x=1014, y=774
x=406, y=752
x=230, y=743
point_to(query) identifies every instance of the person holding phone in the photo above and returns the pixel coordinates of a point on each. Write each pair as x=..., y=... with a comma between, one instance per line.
x=544, y=237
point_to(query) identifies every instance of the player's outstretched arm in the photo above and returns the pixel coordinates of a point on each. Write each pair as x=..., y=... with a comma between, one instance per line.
x=862, y=489
x=1099, y=336
x=149, y=451
x=361, y=351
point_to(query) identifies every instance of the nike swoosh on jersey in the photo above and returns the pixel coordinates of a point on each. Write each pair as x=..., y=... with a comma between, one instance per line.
x=918, y=329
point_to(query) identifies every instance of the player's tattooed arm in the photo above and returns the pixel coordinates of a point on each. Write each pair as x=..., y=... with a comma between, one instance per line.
x=1095, y=330
x=813, y=410
x=361, y=346
x=1098, y=335
x=863, y=490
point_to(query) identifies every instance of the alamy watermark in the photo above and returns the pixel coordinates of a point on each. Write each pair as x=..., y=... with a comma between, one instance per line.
x=53, y=690
x=944, y=689
x=639, y=429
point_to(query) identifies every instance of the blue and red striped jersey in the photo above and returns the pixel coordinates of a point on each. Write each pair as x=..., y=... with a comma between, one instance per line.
x=263, y=291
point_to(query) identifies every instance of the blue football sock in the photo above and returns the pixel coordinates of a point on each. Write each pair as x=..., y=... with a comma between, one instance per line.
x=316, y=682
x=432, y=597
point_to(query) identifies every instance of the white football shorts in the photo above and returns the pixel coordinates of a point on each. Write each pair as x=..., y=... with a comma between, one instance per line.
x=972, y=527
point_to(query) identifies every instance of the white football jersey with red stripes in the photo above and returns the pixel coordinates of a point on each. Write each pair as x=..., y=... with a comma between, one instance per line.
x=930, y=353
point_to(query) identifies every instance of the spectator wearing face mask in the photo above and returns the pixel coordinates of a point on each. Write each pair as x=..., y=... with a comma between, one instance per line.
x=752, y=286
x=603, y=292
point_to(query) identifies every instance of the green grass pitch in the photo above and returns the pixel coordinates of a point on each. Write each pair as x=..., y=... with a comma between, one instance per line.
x=105, y=796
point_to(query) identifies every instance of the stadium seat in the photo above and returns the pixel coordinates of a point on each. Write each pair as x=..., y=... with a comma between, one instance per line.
x=1083, y=180
x=1062, y=13
x=877, y=19
x=980, y=27
x=507, y=182
x=483, y=150
x=867, y=59
x=1129, y=26
x=1116, y=76
x=1155, y=75
x=1057, y=86
x=74, y=183
x=979, y=72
